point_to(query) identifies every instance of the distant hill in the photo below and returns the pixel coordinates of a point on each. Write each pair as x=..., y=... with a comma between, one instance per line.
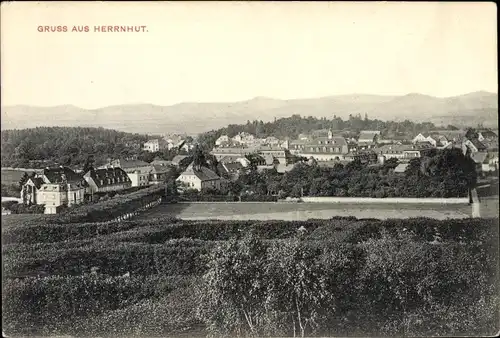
x=192, y=117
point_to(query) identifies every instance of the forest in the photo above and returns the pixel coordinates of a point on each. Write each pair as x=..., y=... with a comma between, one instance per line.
x=70, y=146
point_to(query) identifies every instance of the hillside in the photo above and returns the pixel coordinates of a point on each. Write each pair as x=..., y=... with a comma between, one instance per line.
x=192, y=117
x=66, y=146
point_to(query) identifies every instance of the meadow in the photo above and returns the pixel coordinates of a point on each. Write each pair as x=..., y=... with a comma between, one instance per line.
x=304, y=211
x=161, y=277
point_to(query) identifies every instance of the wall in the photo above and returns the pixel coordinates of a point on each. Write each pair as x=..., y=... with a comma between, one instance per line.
x=192, y=180
x=463, y=200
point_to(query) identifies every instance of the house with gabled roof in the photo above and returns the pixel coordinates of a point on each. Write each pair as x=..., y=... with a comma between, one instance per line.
x=424, y=138
x=322, y=148
x=55, y=187
x=180, y=159
x=474, y=145
x=137, y=170
x=368, y=139
x=159, y=174
x=107, y=179
x=199, y=178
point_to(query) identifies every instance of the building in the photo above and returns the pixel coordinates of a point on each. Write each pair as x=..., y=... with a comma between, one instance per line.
x=152, y=146
x=233, y=159
x=199, y=178
x=244, y=138
x=174, y=141
x=450, y=135
x=487, y=135
x=179, y=160
x=55, y=187
x=233, y=169
x=187, y=147
x=368, y=139
x=223, y=139
x=138, y=171
x=401, y=168
x=322, y=148
x=158, y=161
x=280, y=154
x=424, y=137
x=106, y=180
x=474, y=145
x=401, y=151
x=159, y=174
x=221, y=152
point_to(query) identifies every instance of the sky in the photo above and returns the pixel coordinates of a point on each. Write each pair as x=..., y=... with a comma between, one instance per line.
x=223, y=52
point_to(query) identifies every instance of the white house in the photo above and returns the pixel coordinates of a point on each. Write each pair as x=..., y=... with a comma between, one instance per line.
x=244, y=138
x=368, y=138
x=422, y=138
x=474, y=145
x=223, y=139
x=152, y=146
x=55, y=187
x=199, y=178
x=137, y=171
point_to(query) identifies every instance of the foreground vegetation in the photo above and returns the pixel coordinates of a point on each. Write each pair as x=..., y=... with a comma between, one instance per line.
x=167, y=277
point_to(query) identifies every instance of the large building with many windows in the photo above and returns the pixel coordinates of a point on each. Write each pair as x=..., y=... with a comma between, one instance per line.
x=55, y=187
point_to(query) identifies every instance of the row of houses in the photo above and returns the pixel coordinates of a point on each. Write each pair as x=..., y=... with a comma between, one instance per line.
x=248, y=140
x=58, y=186
x=169, y=143
x=369, y=144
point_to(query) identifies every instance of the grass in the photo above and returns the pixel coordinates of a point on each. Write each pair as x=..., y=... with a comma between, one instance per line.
x=10, y=176
x=303, y=211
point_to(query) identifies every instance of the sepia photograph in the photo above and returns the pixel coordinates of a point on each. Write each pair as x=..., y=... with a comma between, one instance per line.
x=249, y=169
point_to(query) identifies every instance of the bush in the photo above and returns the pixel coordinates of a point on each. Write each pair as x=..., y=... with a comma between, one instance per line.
x=55, y=304
x=110, y=209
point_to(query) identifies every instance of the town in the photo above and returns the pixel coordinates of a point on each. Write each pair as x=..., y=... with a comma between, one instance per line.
x=250, y=169
x=232, y=156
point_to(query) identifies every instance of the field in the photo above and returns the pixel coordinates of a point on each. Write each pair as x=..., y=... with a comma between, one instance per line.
x=151, y=277
x=303, y=211
x=10, y=176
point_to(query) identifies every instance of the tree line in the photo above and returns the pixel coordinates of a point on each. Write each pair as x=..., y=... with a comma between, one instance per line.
x=439, y=173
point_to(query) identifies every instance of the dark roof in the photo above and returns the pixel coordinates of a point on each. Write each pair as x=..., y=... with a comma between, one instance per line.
x=399, y=148
x=229, y=159
x=62, y=175
x=109, y=176
x=477, y=144
x=488, y=134
x=232, y=167
x=37, y=181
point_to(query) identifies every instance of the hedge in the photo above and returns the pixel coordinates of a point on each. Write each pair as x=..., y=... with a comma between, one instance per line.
x=172, y=258
x=110, y=209
x=438, y=264
x=54, y=304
